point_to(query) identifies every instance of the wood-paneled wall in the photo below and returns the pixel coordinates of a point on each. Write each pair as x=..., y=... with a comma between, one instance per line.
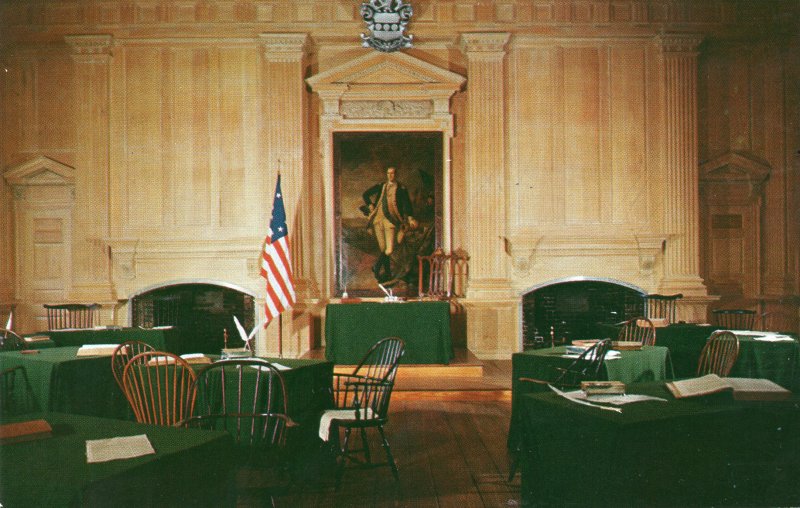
x=195, y=133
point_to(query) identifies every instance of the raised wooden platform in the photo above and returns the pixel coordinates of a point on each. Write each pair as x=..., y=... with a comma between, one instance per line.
x=465, y=378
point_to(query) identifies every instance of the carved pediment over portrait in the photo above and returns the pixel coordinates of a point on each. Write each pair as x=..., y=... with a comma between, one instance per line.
x=386, y=85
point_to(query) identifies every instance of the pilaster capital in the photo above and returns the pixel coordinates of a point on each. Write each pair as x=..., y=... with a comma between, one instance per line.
x=680, y=44
x=286, y=47
x=484, y=45
x=90, y=48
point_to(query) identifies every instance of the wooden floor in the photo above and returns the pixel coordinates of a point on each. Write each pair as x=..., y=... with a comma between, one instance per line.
x=448, y=435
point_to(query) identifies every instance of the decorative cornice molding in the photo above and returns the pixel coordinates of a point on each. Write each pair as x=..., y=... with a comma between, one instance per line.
x=90, y=48
x=484, y=43
x=680, y=44
x=284, y=47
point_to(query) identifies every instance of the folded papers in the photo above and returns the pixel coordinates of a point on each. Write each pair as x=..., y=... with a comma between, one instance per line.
x=742, y=388
x=115, y=448
x=24, y=431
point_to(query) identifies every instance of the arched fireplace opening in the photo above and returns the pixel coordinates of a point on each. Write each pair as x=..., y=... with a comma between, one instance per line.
x=201, y=311
x=574, y=308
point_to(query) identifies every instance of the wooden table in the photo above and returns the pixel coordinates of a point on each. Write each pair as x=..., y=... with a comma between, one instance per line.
x=190, y=466
x=701, y=451
x=777, y=361
x=351, y=329
x=61, y=381
x=168, y=338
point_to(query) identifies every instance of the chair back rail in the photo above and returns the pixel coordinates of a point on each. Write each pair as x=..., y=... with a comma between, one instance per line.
x=123, y=354
x=719, y=354
x=71, y=315
x=734, y=319
x=639, y=329
x=587, y=367
x=159, y=387
x=658, y=306
x=245, y=397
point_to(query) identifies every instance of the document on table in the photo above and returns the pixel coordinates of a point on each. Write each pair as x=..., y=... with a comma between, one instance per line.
x=617, y=399
x=115, y=448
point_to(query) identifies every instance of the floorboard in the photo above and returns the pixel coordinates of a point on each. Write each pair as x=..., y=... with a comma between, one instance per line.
x=448, y=436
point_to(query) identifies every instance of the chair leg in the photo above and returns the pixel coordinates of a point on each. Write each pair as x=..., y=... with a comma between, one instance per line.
x=389, y=457
x=365, y=444
x=343, y=452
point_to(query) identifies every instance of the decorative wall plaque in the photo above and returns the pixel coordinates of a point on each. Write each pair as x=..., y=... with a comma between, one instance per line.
x=387, y=20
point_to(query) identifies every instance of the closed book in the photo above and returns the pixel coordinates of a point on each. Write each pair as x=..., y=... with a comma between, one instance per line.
x=36, y=338
x=97, y=349
x=24, y=431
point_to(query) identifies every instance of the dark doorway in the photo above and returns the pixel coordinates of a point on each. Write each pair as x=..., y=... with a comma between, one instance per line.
x=573, y=309
x=203, y=312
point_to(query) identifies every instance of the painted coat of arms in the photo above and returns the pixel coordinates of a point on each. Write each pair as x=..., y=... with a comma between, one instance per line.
x=387, y=20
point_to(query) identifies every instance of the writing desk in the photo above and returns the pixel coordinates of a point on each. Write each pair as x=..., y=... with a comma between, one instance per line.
x=60, y=381
x=190, y=466
x=777, y=361
x=647, y=364
x=351, y=329
x=698, y=451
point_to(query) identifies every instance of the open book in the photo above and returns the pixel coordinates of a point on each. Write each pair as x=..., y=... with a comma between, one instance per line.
x=742, y=388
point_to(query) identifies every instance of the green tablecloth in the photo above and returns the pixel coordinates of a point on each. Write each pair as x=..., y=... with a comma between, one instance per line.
x=651, y=363
x=701, y=451
x=60, y=381
x=168, y=339
x=778, y=361
x=190, y=467
x=351, y=329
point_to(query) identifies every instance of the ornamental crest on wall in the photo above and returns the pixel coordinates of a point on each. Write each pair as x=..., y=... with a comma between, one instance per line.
x=387, y=20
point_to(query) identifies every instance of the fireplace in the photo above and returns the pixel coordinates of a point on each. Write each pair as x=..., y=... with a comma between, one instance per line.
x=203, y=311
x=573, y=308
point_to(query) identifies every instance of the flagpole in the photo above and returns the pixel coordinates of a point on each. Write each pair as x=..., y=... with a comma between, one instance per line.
x=280, y=335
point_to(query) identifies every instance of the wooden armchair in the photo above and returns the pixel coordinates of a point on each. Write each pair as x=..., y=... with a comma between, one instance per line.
x=719, y=354
x=442, y=276
x=638, y=329
x=361, y=401
x=735, y=319
x=159, y=387
x=71, y=315
x=661, y=307
x=123, y=354
x=245, y=397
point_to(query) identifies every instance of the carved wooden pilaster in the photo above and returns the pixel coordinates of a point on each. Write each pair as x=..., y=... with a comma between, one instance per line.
x=681, y=206
x=91, y=271
x=285, y=127
x=485, y=163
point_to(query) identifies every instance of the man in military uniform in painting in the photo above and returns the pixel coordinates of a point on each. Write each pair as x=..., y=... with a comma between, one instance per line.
x=388, y=207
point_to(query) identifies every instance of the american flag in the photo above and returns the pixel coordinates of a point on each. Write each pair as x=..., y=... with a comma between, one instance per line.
x=276, y=263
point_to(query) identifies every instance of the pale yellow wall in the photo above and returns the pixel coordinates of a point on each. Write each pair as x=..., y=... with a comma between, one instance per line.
x=196, y=132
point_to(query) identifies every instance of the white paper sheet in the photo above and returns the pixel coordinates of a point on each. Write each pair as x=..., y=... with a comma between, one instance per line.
x=116, y=448
x=340, y=414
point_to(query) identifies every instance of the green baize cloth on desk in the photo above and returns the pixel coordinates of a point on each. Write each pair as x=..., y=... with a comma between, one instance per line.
x=190, y=467
x=351, y=329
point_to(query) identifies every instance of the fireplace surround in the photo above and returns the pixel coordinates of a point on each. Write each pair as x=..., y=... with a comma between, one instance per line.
x=203, y=310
